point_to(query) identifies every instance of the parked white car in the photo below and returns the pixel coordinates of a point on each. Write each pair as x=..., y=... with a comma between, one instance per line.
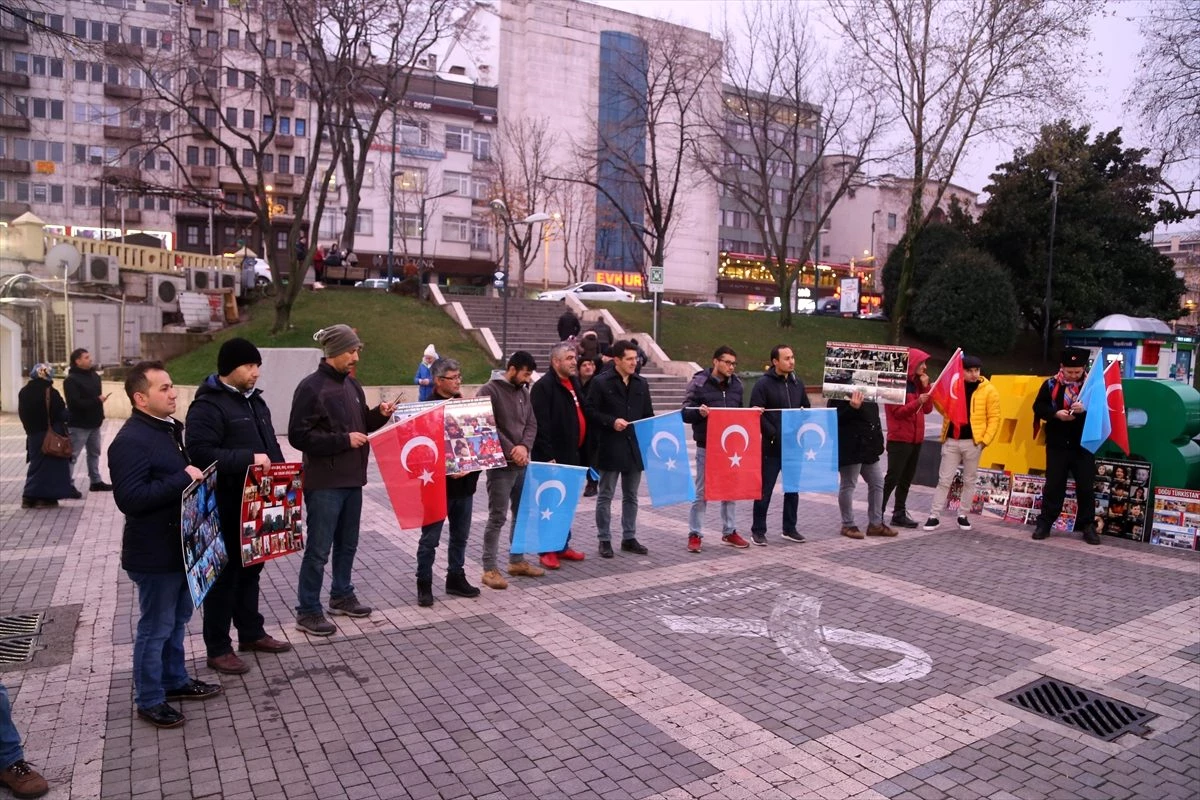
x=589, y=290
x=375, y=283
x=708, y=304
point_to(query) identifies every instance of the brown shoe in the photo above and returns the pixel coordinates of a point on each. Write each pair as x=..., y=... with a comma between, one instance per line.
x=23, y=780
x=228, y=664
x=880, y=530
x=493, y=579
x=525, y=568
x=266, y=644
x=852, y=532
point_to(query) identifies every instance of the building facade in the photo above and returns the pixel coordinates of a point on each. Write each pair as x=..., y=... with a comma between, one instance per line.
x=1184, y=250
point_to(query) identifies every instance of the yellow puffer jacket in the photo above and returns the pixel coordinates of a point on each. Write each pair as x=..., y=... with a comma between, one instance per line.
x=984, y=413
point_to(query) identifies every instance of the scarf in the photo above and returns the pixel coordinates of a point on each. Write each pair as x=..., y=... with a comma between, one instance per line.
x=1070, y=391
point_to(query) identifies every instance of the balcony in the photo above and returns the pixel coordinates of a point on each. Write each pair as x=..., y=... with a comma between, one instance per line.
x=200, y=174
x=10, y=209
x=283, y=179
x=125, y=92
x=15, y=166
x=285, y=103
x=205, y=14
x=122, y=133
x=123, y=50
x=114, y=215
x=197, y=131
x=285, y=142
x=14, y=122
x=285, y=27
x=13, y=35
x=285, y=66
x=205, y=53
x=18, y=80
x=121, y=175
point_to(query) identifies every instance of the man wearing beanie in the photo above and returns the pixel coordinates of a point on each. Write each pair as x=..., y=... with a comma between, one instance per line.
x=329, y=425
x=228, y=422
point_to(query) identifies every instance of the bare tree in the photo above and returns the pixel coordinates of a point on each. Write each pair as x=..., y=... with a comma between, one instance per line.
x=521, y=162
x=577, y=206
x=790, y=126
x=958, y=70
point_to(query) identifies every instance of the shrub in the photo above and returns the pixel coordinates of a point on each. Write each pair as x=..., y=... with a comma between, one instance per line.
x=968, y=303
x=934, y=247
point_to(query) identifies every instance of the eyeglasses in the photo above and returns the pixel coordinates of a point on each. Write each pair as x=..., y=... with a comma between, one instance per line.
x=727, y=362
x=451, y=378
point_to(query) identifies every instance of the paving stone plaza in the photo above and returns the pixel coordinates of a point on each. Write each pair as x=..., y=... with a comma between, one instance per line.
x=832, y=669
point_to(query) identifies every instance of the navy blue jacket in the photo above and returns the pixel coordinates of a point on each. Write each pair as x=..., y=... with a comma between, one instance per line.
x=706, y=390
x=82, y=388
x=609, y=398
x=147, y=461
x=225, y=426
x=775, y=391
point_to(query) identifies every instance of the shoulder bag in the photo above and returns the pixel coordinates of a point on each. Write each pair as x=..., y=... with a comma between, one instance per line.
x=54, y=444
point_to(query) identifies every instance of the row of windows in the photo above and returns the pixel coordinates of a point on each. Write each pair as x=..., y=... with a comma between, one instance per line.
x=33, y=64
x=81, y=196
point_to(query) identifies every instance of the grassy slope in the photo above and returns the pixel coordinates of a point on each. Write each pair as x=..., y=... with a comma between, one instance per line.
x=394, y=330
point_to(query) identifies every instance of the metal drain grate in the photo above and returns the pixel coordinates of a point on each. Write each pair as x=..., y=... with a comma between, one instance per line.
x=19, y=636
x=21, y=624
x=17, y=649
x=1081, y=709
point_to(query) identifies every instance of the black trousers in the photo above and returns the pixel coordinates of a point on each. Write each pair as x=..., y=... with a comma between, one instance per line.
x=232, y=598
x=901, y=469
x=1061, y=463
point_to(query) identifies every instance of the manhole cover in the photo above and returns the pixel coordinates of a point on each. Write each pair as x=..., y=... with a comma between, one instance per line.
x=1081, y=709
x=17, y=649
x=21, y=624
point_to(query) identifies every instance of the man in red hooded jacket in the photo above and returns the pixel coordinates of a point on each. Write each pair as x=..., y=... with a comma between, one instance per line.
x=905, y=433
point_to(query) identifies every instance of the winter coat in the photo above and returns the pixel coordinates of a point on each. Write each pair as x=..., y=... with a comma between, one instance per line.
x=1060, y=435
x=147, y=460
x=515, y=423
x=983, y=414
x=610, y=399
x=568, y=325
x=557, y=414
x=31, y=407
x=860, y=432
x=706, y=390
x=326, y=408
x=774, y=391
x=906, y=423
x=83, y=390
x=226, y=426
x=425, y=390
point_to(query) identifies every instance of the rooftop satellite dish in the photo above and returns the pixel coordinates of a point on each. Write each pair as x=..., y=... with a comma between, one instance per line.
x=63, y=257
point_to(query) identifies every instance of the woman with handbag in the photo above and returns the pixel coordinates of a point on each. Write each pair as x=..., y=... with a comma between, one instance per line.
x=43, y=414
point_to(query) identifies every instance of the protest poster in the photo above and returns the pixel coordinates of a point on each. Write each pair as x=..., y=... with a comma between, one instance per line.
x=1122, y=491
x=472, y=443
x=1025, y=502
x=204, y=553
x=1176, y=518
x=990, y=498
x=272, y=506
x=879, y=371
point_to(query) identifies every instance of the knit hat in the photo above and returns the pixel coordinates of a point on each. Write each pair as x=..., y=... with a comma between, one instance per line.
x=337, y=339
x=235, y=353
x=431, y=351
x=972, y=362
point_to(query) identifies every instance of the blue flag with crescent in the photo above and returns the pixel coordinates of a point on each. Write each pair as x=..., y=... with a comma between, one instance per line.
x=548, y=501
x=663, y=442
x=1097, y=427
x=810, y=449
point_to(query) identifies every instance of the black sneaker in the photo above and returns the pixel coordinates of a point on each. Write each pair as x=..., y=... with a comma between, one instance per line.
x=792, y=536
x=606, y=550
x=633, y=546
x=759, y=539
x=75, y=494
x=196, y=690
x=931, y=524
x=100, y=487
x=315, y=625
x=348, y=606
x=161, y=716
x=964, y=524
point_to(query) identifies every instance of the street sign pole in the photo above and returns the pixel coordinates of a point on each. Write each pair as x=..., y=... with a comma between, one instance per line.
x=656, y=288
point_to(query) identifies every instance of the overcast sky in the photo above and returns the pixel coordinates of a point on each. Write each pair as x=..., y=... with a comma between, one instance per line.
x=1112, y=51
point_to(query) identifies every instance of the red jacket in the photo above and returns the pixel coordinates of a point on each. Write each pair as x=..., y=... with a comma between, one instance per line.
x=906, y=423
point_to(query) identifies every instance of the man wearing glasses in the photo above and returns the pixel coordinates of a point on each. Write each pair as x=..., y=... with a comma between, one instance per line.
x=718, y=387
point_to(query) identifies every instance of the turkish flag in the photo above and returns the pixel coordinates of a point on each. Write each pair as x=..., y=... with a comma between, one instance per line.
x=947, y=391
x=1115, y=395
x=412, y=460
x=733, y=463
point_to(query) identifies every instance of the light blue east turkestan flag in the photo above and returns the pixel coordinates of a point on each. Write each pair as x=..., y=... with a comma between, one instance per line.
x=1097, y=426
x=810, y=449
x=548, y=501
x=663, y=443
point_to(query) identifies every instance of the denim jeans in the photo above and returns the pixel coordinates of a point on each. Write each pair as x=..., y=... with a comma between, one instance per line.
x=458, y=513
x=630, y=481
x=233, y=598
x=89, y=437
x=700, y=505
x=955, y=452
x=10, y=740
x=772, y=465
x=333, y=517
x=848, y=480
x=504, y=491
x=158, y=659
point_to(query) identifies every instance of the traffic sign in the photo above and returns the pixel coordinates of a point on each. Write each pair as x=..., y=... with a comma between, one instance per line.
x=656, y=279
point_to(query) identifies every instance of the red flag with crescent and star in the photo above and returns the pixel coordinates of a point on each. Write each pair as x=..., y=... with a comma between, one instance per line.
x=412, y=461
x=1115, y=395
x=733, y=462
x=947, y=391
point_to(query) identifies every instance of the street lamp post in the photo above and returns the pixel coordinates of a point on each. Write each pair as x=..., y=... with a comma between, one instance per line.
x=421, y=222
x=1053, y=178
x=500, y=208
x=392, y=207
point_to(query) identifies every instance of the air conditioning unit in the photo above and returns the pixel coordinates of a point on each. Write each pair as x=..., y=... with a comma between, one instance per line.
x=198, y=280
x=166, y=291
x=230, y=279
x=99, y=269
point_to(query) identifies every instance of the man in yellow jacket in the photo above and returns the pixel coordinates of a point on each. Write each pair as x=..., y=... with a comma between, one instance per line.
x=962, y=444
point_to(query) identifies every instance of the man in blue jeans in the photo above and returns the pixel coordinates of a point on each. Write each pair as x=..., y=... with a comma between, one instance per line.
x=329, y=425
x=150, y=470
x=777, y=388
x=460, y=492
x=16, y=774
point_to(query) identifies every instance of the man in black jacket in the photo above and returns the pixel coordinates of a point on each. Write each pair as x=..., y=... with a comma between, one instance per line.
x=618, y=397
x=561, y=412
x=777, y=388
x=85, y=405
x=329, y=425
x=718, y=387
x=568, y=325
x=228, y=422
x=460, y=492
x=150, y=470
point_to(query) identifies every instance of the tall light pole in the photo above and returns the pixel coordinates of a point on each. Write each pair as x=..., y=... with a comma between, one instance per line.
x=421, y=222
x=499, y=208
x=1052, y=176
x=392, y=206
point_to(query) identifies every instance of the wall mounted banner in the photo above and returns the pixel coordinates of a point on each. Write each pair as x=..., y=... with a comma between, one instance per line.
x=272, y=511
x=879, y=371
x=204, y=553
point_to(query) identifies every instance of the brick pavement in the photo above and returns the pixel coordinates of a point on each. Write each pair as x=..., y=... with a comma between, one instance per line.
x=576, y=685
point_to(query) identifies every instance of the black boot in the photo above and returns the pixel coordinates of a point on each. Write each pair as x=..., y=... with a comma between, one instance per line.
x=591, y=489
x=456, y=584
x=1042, y=531
x=424, y=593
x=1090, y=536
x=900, y=517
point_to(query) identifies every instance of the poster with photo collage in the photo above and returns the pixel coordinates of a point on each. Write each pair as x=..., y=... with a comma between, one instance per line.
x=990, y=500
x=272, y=517
x=879, y=371
x=1025, y=502
x=472, y=443
x=1122, y=498
x=204, y=553
x=1176, y=518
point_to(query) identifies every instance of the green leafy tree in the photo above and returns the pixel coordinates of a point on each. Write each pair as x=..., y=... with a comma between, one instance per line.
x=969, y=303
x=1103, y=263
x=933, y=247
